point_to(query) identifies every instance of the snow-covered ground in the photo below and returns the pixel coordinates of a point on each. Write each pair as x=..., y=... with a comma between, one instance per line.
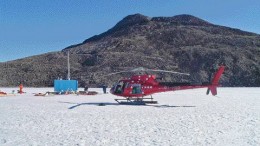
x=186, y=117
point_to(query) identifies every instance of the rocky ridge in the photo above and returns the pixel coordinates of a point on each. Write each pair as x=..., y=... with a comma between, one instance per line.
x=181, y=43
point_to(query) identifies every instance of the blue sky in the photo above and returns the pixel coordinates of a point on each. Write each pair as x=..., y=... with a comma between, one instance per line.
x=31, y=27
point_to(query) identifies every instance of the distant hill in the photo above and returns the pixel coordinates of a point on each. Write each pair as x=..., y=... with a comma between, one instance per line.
x=180, y=43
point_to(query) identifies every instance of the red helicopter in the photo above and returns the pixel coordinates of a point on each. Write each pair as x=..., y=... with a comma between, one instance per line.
x=135, y=89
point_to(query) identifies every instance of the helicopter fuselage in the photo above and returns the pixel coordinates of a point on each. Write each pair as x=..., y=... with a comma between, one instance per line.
x=142, y=85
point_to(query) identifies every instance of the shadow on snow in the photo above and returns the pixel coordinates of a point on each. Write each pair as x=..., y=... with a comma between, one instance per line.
x=117, y=104
x=167, y=106
x=89, y=103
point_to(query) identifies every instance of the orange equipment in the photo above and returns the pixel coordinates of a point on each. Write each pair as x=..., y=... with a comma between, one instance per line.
x=21, y=88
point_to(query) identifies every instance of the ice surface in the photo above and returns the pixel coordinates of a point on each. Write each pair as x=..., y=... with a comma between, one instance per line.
x=188, y=117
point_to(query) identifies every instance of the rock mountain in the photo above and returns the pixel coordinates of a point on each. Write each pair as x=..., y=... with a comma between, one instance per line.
x=181, y=43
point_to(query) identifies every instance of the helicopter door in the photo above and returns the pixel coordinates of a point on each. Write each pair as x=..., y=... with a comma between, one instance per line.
x=136, y=89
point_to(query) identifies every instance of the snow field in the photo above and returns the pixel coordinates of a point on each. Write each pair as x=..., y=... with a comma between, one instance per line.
x=188, y=117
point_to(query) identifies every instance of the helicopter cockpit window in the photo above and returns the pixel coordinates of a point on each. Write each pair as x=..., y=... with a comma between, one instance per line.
x=125, y=85
x=136, y=89
x=119, y=87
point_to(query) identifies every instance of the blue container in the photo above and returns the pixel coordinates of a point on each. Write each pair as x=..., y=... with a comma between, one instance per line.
x=65, y=85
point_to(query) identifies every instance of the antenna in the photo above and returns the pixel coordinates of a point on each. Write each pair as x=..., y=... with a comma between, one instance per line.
x=68, y=65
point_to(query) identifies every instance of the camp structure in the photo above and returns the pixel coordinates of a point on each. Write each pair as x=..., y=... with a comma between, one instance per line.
x=66, y=85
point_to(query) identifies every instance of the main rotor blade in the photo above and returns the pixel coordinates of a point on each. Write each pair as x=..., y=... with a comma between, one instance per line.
x=116, y=73
x=174, y=72
x=141, y=69
x=138, y=69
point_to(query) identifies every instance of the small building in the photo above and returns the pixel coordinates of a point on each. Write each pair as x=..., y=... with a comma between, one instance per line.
x=65, y=85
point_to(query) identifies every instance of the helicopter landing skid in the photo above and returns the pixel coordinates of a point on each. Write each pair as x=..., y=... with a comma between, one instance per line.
x=136, y=101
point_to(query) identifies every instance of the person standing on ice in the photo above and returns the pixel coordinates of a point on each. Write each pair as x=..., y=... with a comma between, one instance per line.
x=21, y=88
x=104, y=88
x=86, y=88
